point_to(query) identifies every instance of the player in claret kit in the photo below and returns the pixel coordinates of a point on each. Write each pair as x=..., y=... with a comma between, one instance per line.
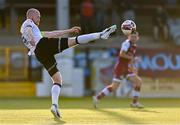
x=44, y=45
x=124, y=69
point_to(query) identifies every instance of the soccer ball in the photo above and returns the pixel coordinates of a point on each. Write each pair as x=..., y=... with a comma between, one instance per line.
x=127, y=27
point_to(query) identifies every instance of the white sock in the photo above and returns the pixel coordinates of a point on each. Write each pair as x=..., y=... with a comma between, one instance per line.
x=135, y=93
x=105, y=91
x=55, y=92
x=82, y=39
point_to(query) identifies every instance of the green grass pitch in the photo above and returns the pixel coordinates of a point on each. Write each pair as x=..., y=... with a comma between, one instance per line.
x=112, y=111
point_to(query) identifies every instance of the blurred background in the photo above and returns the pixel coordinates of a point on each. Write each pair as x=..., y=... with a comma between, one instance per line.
x=86, y=69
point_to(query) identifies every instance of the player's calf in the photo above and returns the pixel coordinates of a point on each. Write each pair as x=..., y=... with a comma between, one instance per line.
x=105, y=92
x=136, y=94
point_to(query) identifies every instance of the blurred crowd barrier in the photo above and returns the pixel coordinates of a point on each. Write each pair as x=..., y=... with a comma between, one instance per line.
x=13, y=63
x=158, y=67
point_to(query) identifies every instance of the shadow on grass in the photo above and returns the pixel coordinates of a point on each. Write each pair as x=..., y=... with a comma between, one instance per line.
x=144, y=110
x=121, y=118
x=81, y=103
x=58, y=122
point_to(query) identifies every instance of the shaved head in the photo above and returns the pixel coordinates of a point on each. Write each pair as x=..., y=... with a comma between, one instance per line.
x=34, y=15
x=30, y=12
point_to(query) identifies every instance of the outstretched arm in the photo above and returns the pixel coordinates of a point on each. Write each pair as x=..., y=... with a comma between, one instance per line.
x=60, y=33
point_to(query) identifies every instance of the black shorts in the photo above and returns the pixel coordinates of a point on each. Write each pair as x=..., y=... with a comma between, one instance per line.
x=46, y=49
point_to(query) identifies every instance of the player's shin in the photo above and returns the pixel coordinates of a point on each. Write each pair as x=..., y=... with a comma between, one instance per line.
x=105, y=92
x=55, y=92
x=136, y=94
x=83, y=39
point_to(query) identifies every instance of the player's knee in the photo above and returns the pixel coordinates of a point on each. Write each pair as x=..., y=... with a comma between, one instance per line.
x=138, y=85
x=114, y=87
x=139, y=82
x=110, y=88
x=57, y=78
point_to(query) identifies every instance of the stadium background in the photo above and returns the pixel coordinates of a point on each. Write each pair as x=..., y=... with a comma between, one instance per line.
x=89, y=66
x=25, y=86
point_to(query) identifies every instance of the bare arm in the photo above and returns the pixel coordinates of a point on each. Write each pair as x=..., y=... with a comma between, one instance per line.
x=60, y=33
x=30, y=36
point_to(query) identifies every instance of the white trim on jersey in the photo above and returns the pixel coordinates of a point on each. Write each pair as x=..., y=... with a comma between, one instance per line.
x=125, y=45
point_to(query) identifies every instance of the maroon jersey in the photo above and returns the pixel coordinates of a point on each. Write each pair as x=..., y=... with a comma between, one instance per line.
x=121, y=67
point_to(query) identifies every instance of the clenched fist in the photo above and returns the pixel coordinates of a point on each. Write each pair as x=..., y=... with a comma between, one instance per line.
x=75, y=29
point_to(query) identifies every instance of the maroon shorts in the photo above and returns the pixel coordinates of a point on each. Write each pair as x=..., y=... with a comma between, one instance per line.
x=120, y=71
